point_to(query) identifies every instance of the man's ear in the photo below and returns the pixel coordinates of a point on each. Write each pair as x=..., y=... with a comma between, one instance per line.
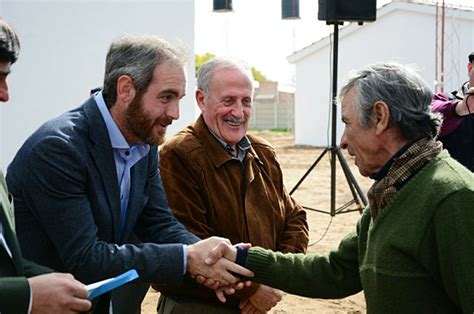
x=380, y=117
x=200, y=99
x=125, y=89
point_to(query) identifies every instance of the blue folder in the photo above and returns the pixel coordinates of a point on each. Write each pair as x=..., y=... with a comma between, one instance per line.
x=100, y=287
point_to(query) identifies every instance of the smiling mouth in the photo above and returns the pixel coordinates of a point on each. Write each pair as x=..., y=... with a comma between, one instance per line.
x=233, y=122
x=164, y=123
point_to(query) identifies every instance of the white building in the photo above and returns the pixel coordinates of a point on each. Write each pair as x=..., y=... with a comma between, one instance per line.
x=273, y=107
x=64, y=44
x=403, y=32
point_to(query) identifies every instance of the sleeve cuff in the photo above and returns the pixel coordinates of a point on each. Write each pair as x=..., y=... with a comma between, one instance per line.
x=31, y=299
x=185, y=258
x=241, y=258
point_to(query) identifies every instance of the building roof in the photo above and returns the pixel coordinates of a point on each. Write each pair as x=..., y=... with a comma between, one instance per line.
x=396, y=5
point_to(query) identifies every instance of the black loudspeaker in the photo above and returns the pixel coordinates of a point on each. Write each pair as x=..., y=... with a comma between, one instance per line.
x=347, y=10
x=290, y=9
x=222, y=5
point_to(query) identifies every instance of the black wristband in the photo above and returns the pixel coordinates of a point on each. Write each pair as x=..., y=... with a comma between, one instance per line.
x=241, y=258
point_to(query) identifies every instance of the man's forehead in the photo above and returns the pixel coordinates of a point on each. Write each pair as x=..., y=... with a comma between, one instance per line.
x=169, y=71
x=350, y=95
x=227, y=79
x=347, y=103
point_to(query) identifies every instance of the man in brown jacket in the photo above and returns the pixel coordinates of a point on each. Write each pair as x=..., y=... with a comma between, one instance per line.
x=221, y=181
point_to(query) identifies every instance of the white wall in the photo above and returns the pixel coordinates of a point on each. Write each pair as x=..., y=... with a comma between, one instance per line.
x=403, y=35
x=64, y=44
x=312, y=96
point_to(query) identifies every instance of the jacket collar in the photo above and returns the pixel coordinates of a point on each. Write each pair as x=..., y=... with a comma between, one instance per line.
x=103, y=156
x=215, y=151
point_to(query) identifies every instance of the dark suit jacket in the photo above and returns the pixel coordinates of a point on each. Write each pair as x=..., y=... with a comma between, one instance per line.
x=67, y=201
x=14, y=287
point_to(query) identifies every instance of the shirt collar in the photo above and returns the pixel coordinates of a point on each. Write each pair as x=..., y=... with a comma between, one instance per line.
x=117, y=140
x=243, y=145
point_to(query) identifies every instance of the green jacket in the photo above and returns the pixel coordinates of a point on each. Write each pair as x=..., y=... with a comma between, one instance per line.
x=417, y=257
x=14, y=287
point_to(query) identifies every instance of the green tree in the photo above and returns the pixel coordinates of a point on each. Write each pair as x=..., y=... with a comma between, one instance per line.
x=200, y=59
x=258, y=76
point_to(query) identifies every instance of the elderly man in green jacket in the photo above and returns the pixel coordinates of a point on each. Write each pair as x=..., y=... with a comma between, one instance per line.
x=413, y=248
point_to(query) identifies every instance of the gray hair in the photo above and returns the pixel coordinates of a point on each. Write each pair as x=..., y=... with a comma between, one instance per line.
x=137, y=57
x=406, y=94
x=208, y=69
x=9, y=43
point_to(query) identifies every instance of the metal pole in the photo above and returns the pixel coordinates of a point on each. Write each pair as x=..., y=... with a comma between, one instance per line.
x=436, y=49
x=334, y=150
x=442, y=49
x=334, y=118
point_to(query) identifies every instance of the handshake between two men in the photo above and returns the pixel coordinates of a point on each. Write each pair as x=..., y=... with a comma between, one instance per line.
x=212, y=263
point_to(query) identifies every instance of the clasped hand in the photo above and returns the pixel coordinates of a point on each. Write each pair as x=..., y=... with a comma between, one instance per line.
x=218, y=270
x=210, y=261
x=261, y=301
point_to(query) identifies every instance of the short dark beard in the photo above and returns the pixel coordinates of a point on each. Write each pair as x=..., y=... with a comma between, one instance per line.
x=141, y=125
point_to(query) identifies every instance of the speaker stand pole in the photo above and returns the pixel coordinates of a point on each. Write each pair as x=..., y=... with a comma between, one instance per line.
x=358, y=196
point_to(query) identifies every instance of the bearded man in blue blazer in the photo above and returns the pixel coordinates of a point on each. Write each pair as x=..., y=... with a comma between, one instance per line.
x=26, y=287
x=88, y=193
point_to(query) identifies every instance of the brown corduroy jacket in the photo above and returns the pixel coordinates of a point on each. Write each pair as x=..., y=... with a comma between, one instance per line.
x=212, y=193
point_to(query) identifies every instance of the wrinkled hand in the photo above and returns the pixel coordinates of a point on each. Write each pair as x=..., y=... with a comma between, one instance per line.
x=58, y=293
x=229, y=290
x=218, y=270
x=263, y=300
x=219, y=290
x=229, y=252
x=226, y=250
x=212, y=284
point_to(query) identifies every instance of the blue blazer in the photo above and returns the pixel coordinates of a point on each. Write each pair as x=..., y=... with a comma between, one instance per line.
x=14, y=270
x=67, y=201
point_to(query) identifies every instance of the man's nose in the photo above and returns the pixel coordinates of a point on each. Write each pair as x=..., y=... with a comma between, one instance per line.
x=343, y=143
x=238, y=110
x=173, y=111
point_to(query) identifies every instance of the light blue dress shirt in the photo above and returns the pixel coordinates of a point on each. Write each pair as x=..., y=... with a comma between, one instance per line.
x=125, y=156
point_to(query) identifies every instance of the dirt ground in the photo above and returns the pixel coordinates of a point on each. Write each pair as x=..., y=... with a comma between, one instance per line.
x=314, y=192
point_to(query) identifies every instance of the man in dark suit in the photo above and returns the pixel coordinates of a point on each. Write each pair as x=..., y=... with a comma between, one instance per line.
x=87, y=187
x=26, y=287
